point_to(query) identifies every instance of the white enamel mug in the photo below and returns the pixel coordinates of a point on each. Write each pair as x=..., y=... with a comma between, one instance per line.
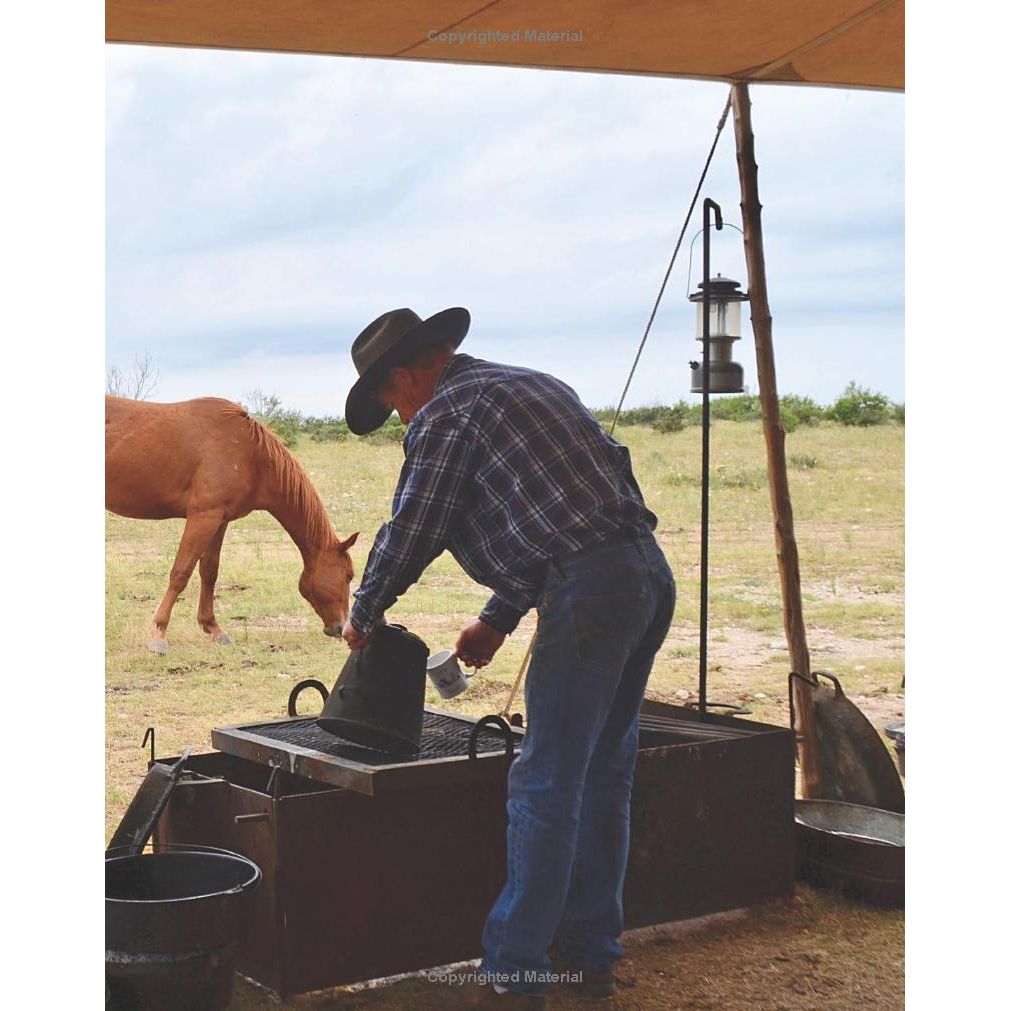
x=444, y=672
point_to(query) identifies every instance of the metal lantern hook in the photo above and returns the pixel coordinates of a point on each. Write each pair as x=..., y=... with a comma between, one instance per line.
x=691, y=252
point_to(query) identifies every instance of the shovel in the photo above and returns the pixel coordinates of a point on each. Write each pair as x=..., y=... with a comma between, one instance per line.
x=856, y=767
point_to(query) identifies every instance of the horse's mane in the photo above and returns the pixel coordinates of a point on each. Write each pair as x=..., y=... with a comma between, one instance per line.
x=294, y=481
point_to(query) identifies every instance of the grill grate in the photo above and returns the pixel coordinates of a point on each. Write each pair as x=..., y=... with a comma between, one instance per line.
x=441, y=737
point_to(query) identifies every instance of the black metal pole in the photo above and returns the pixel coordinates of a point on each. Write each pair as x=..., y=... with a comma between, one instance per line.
x=707, y=206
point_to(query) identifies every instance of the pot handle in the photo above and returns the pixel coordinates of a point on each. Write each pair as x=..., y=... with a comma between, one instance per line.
x=825, y=674
x=297, y=690
x=484, y=722
x=813, y=683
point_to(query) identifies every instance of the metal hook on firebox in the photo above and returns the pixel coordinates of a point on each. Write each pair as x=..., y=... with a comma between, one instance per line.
x=297, y=690
x=274, y=779
x=149, y=736
x=484, y=722
x=734, y=710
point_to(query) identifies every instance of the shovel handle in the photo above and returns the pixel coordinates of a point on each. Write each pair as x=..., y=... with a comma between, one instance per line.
x=297, y=690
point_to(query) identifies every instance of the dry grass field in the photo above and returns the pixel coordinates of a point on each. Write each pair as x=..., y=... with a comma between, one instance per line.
x=847, y=488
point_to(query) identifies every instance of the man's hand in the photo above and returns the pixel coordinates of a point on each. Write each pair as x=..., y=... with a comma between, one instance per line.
x=354, y=638
x=478, y=643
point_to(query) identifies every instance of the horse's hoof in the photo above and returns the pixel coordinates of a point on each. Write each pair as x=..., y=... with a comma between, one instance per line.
x=223, y=639
x=157, y=646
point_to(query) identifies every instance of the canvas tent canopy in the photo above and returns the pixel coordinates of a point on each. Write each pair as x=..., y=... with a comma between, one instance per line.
x=846, y=43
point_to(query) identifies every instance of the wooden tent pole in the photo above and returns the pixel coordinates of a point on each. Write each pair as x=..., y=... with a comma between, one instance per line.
x=775, y=438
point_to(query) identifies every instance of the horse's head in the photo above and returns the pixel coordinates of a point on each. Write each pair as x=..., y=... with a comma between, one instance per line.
x=326, y=584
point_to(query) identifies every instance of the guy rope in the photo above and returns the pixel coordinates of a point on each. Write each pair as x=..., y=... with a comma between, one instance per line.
x=642, y=343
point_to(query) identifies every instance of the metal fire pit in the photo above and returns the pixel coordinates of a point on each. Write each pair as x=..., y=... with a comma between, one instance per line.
x=375, y=865
x=299, y=746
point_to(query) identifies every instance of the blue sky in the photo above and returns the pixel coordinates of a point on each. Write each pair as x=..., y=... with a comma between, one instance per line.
x=261, y=209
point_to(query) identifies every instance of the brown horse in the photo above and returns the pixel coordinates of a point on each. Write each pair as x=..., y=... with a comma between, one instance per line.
x=209, y=462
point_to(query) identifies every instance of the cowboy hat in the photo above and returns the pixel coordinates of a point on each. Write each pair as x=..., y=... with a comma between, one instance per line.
x=391, y=340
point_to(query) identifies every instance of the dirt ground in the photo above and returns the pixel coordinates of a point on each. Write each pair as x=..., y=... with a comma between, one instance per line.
x=818, y=950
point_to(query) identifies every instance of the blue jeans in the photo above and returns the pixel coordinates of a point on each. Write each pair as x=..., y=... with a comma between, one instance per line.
x=603, y=614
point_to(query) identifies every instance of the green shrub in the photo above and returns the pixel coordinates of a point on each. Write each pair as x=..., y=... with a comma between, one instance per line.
x=858, y=406
x=804, y=409
x=327, y=429
x=788, y=419
x=390, y=431
x=744, y=407
x=795, y=412
x=672, y=419
x=661, y=417
x=803, y=462
x=642, y=415
x=267, y=409
x=899, y=413
x=286, y=424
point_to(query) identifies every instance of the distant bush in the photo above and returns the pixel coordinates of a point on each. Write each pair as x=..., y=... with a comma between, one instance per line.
x=643, y=415
x=286, y=424
x=858, y=406
x=745, y=407
x=390, y=431
x=899, y=413
x=795, y=412
x=804, y=409
x=266, y=408
x=327, y=429
x=788, y=419
x=672, y=419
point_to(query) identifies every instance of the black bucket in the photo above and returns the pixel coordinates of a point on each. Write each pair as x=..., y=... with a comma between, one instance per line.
x=173, y=922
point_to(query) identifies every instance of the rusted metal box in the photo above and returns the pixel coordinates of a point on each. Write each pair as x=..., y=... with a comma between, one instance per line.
x=358, y=886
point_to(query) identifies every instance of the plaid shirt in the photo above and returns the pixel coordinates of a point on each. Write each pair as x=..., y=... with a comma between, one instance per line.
x=507, y=469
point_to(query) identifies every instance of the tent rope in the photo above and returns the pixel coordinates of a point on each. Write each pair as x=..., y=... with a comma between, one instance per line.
x=649, y=323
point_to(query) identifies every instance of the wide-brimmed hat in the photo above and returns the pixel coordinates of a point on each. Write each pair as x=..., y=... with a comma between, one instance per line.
x=390, y=340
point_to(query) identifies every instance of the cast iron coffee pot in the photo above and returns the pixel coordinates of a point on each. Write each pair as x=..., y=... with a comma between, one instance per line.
x=379, y=698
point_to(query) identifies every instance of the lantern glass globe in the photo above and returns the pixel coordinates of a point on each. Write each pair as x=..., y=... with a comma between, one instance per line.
x=724, y=318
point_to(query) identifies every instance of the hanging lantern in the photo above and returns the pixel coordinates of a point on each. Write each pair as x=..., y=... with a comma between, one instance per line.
x=725, y=375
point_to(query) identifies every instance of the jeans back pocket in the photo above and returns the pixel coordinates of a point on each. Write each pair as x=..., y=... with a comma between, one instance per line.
x=606, y=627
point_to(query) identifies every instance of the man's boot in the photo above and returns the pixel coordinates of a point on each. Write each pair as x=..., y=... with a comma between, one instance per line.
x=589, y=984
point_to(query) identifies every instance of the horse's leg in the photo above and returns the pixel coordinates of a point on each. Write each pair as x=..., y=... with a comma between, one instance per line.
x=197, y=534
x=208, y=577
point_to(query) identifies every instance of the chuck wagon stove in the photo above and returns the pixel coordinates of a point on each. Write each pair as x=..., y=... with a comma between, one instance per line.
x=374, y=865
